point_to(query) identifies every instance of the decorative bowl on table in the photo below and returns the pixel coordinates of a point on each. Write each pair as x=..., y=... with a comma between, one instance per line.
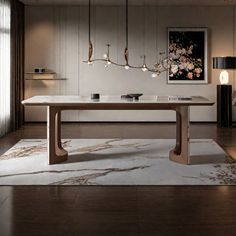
x=132, y=96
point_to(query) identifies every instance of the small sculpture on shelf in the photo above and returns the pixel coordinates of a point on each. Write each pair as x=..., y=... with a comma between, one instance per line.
x=39, y=70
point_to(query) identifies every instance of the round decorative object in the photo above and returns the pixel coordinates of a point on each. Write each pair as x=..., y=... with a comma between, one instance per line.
x=135, y=95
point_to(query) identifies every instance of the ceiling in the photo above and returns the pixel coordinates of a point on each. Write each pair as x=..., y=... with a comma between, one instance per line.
x=134, y=2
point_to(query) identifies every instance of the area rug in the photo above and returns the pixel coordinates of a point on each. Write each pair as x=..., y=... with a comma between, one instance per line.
x=116, y=162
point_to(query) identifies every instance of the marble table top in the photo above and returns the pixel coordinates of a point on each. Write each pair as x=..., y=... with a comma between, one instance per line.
x=76, y=100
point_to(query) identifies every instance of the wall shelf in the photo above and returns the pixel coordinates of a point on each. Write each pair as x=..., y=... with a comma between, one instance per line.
x=48, y=79
x=44, y=73
x=47, y=75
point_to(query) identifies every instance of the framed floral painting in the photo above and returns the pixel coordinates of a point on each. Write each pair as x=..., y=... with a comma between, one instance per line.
x=187, y=49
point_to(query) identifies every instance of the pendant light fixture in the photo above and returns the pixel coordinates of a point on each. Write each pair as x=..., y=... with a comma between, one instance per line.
x=144, y=66
x=126, y=52
x=161, y=65
x=90, y=53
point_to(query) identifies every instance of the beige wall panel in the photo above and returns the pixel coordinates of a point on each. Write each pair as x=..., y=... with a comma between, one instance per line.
x=57, y=38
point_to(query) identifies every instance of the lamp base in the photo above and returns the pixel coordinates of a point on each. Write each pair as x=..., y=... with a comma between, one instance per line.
x=224, y=105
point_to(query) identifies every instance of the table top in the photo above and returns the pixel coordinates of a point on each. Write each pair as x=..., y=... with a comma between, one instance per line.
x=109, y=102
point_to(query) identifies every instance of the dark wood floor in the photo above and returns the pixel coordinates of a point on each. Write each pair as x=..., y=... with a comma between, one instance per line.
x=142, y=210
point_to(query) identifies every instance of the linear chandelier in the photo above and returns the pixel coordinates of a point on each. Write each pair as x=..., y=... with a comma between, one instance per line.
x=162, y=64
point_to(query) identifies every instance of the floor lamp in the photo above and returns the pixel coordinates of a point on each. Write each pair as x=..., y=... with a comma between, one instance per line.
x=224, y=90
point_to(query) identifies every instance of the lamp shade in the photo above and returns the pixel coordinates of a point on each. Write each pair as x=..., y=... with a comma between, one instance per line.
x=224, y=62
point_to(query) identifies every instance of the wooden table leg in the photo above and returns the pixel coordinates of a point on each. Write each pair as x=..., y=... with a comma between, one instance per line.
x=180, y=153
x=56, y=153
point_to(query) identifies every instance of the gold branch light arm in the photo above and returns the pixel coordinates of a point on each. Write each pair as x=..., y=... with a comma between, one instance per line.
x=90, y=53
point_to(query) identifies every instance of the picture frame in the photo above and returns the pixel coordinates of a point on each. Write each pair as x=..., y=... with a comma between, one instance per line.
x=188, y=54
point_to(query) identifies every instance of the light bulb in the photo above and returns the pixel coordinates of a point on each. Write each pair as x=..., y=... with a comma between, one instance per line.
x=108, y=63
x=154, y=75
x=144, y=68
x=224, y=77
x=90, y=63
x=126, y=67
x=105, y=55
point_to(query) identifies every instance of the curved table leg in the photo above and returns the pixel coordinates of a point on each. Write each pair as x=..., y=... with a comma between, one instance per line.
x=180, y=153
x=56, y=153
